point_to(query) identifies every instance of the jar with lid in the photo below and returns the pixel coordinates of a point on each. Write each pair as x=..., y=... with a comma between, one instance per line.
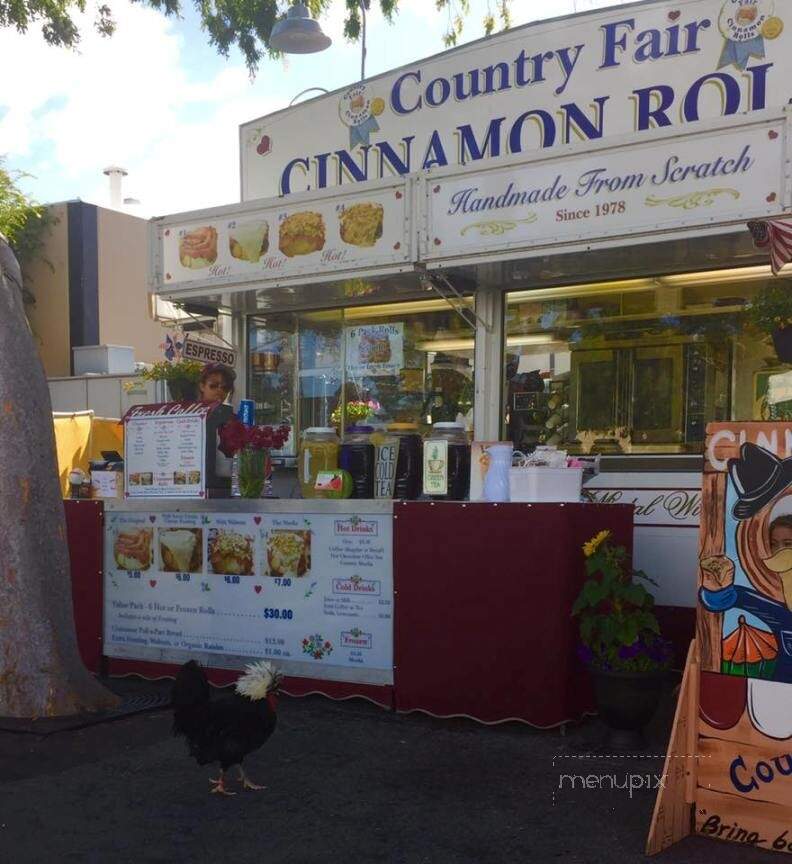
x=318, y=452
x=446, y=463
x=407, y=485
x=358, y=457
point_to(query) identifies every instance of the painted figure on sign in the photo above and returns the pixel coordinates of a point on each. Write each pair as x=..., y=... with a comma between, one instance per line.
x=757, y=619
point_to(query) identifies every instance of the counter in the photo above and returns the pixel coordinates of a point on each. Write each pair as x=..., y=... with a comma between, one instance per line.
x=455, y=609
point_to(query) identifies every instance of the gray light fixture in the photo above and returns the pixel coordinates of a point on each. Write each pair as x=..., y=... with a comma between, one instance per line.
x=298, y=33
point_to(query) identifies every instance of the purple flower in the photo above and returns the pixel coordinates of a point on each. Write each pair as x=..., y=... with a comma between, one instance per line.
x=660, y=650
x=585, y=654
x=627, y=652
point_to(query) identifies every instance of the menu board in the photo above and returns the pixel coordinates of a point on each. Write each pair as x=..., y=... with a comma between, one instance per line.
x=165, y=454
x=310, y=236
x=311, y=592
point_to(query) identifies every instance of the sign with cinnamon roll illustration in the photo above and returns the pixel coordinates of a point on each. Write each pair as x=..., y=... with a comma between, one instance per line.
x=361, y=224
x=244, y=583
x=198, y=248
x=303, y=240
x=375, y=349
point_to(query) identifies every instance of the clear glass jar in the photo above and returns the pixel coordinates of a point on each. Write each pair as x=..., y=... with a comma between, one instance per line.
x=446, y=463
x=319, y=450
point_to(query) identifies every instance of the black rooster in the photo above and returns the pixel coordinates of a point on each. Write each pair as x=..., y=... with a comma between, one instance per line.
x=225, y=730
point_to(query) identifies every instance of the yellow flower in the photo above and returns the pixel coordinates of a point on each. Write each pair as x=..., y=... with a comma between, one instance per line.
x=591, y=547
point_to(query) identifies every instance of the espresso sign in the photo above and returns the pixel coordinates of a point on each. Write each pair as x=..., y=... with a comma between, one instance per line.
x=206, y=352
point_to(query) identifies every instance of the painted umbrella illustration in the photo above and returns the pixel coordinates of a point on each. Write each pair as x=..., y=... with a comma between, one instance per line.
x=746, y=646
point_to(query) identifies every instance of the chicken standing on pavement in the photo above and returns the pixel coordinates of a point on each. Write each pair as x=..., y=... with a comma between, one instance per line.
x=225, y=730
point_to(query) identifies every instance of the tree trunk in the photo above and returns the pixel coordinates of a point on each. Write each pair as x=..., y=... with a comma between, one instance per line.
x=41, y=673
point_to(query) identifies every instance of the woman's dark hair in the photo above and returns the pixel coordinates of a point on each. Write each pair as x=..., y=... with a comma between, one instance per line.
x=228, y=374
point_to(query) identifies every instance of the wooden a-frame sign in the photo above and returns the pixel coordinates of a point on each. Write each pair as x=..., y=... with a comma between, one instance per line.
x=728, y=770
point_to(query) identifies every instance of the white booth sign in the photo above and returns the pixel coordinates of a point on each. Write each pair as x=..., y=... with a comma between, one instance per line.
x=633, y=69
x=311, y=235
x=718, y=175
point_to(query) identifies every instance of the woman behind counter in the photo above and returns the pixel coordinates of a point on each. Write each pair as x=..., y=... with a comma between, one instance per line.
x=216, y=383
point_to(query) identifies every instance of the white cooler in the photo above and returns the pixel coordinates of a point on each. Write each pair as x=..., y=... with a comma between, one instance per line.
x=535, y=485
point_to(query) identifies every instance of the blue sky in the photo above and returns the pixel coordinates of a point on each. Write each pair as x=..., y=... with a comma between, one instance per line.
x=159, y=101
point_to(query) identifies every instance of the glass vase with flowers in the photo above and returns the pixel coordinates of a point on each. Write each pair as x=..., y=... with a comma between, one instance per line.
x=252, y=445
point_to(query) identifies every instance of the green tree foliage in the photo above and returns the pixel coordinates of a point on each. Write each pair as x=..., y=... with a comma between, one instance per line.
x=246, y=24
x=23, y=222
x=458, y=10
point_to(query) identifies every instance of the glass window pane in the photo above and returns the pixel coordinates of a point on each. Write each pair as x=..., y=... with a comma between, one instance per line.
x=403, y=362
x=410, y=363
x=320, y=367
x=639, y=365
x=271, y=367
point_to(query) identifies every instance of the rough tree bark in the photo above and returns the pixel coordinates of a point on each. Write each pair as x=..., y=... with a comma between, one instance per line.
x=41, y=673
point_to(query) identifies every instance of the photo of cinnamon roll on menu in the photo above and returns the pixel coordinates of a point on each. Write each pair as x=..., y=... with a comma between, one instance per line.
x=361, y=224
x=132, y=548
x=302, y=234
x=198, y=248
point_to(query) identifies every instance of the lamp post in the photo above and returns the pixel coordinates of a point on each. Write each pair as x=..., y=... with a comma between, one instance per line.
x=363, y=41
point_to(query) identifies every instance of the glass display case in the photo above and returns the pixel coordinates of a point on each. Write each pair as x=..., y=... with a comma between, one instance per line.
x=407, y=363
x=633, y=366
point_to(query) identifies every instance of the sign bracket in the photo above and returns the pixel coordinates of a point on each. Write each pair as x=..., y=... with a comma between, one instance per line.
x=445, y=289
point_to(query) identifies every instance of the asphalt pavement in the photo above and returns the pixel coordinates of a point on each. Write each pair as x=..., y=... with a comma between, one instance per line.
x=346, y=781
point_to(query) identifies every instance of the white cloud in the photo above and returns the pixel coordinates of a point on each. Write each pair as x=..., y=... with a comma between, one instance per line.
x=128, y=101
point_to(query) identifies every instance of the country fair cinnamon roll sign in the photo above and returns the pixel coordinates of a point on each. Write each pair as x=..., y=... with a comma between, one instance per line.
x=730, y=758
x=309, y=237
x=593, y=77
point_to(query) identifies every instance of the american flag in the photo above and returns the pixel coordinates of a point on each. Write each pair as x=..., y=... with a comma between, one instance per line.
x=775, y=235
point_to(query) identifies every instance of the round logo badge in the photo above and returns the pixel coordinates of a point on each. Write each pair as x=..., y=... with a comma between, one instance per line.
x=772, y=28
x=354, y=106
x=744, y=20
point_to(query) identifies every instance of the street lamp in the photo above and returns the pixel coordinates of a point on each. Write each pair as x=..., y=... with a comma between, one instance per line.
x=298, y=33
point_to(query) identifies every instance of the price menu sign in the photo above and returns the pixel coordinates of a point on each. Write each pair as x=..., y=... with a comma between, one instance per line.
x=312, y=592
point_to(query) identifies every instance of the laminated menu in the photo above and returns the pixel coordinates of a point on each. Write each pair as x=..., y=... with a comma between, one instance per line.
x=170, y=450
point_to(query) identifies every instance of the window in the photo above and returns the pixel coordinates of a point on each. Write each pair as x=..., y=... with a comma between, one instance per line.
x=403, y=362
x=638, y=366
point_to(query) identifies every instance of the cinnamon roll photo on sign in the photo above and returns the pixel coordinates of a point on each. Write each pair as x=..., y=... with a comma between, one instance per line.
x=198, y=248
x=301, y=234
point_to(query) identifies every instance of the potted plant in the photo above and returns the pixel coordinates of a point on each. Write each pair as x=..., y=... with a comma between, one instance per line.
x=356, y=412
x=181, y=376
x=621, y=643
x=771, y=313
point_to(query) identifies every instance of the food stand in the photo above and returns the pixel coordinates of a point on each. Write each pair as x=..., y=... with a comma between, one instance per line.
x=545, y=246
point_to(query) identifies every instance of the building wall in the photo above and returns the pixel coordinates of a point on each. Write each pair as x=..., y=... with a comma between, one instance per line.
x=91, y=286
x=48, y=281
x=124, y=304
